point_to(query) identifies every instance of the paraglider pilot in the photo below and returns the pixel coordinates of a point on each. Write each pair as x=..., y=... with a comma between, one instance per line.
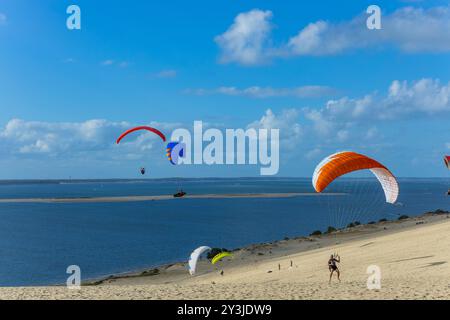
x=332, y=266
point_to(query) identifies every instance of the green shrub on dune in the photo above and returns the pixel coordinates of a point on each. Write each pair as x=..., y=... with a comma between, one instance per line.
x=331, y=229
x=215, y=251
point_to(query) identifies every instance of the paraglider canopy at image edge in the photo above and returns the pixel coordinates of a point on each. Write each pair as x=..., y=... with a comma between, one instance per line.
x=447, y=164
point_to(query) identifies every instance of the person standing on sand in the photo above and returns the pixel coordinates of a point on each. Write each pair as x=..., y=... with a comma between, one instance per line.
x=332, y=266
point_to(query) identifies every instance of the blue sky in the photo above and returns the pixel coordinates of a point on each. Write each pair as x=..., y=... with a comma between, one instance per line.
x=310, y=69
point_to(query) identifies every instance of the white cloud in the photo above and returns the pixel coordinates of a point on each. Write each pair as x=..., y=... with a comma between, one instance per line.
x=245, y=41
x=124, y=64
x=425, y=95
x=339, y=118
x=342, y=135
x=40, y=146
x=267, y=92
x=108, y=62
x=167, y=74
x=46, y=137
x=313, y=154
x=111, y=62
x=371, y=133
x=287, y=122
x=308, y=39
x=322, y=125
x=3, y=19
x=408, y=29
x=72, y=139
x=404, y=99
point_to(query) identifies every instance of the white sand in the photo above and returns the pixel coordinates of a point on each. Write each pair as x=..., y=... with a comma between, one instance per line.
x=414, y=261
x=161, y=197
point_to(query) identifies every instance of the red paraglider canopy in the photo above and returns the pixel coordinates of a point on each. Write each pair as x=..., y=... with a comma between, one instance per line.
x=447, y=161
x=156, y=131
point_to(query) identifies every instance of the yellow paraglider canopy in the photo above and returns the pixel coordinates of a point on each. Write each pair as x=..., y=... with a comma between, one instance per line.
x=220, y=256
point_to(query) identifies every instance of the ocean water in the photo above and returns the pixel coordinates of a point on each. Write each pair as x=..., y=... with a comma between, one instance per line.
x=39, y=241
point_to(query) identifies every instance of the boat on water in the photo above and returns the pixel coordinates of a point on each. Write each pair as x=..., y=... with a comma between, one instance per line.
x=179, y=194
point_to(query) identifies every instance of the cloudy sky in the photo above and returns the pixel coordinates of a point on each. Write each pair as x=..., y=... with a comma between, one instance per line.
x=313, y=70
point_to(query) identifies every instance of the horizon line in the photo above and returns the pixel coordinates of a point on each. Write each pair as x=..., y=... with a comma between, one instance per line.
x=187, y=178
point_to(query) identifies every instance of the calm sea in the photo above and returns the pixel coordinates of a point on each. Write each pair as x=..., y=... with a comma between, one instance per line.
x=39, y=241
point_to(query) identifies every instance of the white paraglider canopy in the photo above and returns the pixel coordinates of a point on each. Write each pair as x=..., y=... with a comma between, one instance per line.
x=194, y=258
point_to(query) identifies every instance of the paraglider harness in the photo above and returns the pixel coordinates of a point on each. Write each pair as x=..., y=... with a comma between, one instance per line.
x=332, y=262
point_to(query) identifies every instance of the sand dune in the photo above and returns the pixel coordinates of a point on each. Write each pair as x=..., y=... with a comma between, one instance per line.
x=413, y=256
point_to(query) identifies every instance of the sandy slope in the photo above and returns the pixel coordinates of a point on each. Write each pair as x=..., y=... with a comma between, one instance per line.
x=414, y=260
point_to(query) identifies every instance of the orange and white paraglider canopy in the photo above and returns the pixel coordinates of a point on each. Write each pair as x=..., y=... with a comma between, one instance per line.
x=341, y=163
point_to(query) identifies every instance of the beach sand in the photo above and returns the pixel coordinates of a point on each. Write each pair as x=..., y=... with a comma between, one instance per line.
x=413, y=256
x=163, y=197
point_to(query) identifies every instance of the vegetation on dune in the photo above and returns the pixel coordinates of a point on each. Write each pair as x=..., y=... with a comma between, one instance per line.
x=215, y=251
x=331, y=229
